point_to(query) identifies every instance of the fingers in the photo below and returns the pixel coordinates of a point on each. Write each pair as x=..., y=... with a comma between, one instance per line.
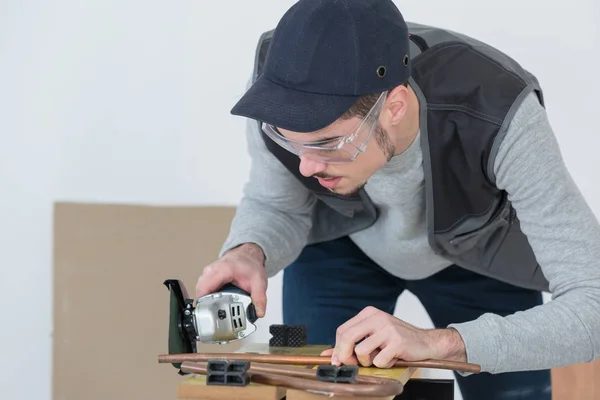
x=343, y=329
x=368, y=349
x=386, y=357
x=365, y=313
x=350, y=361
x=367, y=360
x=364, y=324
x=212, y=279
x=246, y=276
x=258, y=291
x=327, y=353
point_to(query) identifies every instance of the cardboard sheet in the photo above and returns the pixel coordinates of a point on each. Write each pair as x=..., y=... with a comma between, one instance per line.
x=110, y=304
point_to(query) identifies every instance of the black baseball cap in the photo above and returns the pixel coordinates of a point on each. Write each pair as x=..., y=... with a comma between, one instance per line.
x=324, y=55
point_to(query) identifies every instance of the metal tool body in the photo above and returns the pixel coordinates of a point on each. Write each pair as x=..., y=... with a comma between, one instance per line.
x=224, y=316
x=217, y=318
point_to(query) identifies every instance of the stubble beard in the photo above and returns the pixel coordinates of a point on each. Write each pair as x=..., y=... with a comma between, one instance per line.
x=387, y=147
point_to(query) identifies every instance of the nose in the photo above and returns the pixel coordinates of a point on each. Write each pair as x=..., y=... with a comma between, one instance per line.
x=310, y=167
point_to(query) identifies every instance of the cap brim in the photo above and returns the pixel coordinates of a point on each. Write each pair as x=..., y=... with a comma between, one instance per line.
x=290, y=109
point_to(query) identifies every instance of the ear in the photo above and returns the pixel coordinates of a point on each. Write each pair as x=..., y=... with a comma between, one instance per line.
x=396, y=104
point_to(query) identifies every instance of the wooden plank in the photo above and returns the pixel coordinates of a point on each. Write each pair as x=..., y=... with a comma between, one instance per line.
x=264, y=348
x=302, y=395
x=195, y=387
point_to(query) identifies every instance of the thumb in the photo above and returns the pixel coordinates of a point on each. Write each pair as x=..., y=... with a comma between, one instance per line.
x=327, y=353
x=258, y=292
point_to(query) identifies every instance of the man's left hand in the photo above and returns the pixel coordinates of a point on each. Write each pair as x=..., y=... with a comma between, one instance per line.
x=384, y=339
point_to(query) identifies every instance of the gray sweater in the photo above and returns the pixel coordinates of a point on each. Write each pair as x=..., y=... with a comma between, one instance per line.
x=562, y=230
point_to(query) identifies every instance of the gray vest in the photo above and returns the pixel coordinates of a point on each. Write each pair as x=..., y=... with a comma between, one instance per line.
x=468, y=92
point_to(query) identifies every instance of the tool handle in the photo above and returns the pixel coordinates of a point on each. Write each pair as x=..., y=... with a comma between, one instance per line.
x=231, y=288
x=251, y=310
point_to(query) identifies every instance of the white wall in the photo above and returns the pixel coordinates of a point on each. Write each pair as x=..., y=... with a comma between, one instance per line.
x=128, y=101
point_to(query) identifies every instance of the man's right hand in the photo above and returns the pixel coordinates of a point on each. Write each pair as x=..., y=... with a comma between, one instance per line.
x=242, y=266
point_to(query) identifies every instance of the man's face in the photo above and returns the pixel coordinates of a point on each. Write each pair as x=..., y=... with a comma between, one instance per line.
x=388, y=129
x=345, y=178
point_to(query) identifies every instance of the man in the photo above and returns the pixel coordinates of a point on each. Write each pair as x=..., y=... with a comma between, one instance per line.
x=389, y=156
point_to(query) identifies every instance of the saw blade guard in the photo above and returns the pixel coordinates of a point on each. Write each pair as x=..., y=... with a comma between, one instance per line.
x=182, y=327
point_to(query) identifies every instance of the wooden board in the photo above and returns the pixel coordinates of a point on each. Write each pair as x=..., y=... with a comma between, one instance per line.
x=194, y=387
x=302, y=395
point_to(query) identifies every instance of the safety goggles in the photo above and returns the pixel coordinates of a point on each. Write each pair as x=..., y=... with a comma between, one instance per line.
x=337, y=150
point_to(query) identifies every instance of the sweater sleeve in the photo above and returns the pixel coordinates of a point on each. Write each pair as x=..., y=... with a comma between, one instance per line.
x=565, y=237
x=275, y=211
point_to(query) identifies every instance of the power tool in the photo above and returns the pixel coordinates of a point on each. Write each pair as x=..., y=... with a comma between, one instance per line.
x=222, y=317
